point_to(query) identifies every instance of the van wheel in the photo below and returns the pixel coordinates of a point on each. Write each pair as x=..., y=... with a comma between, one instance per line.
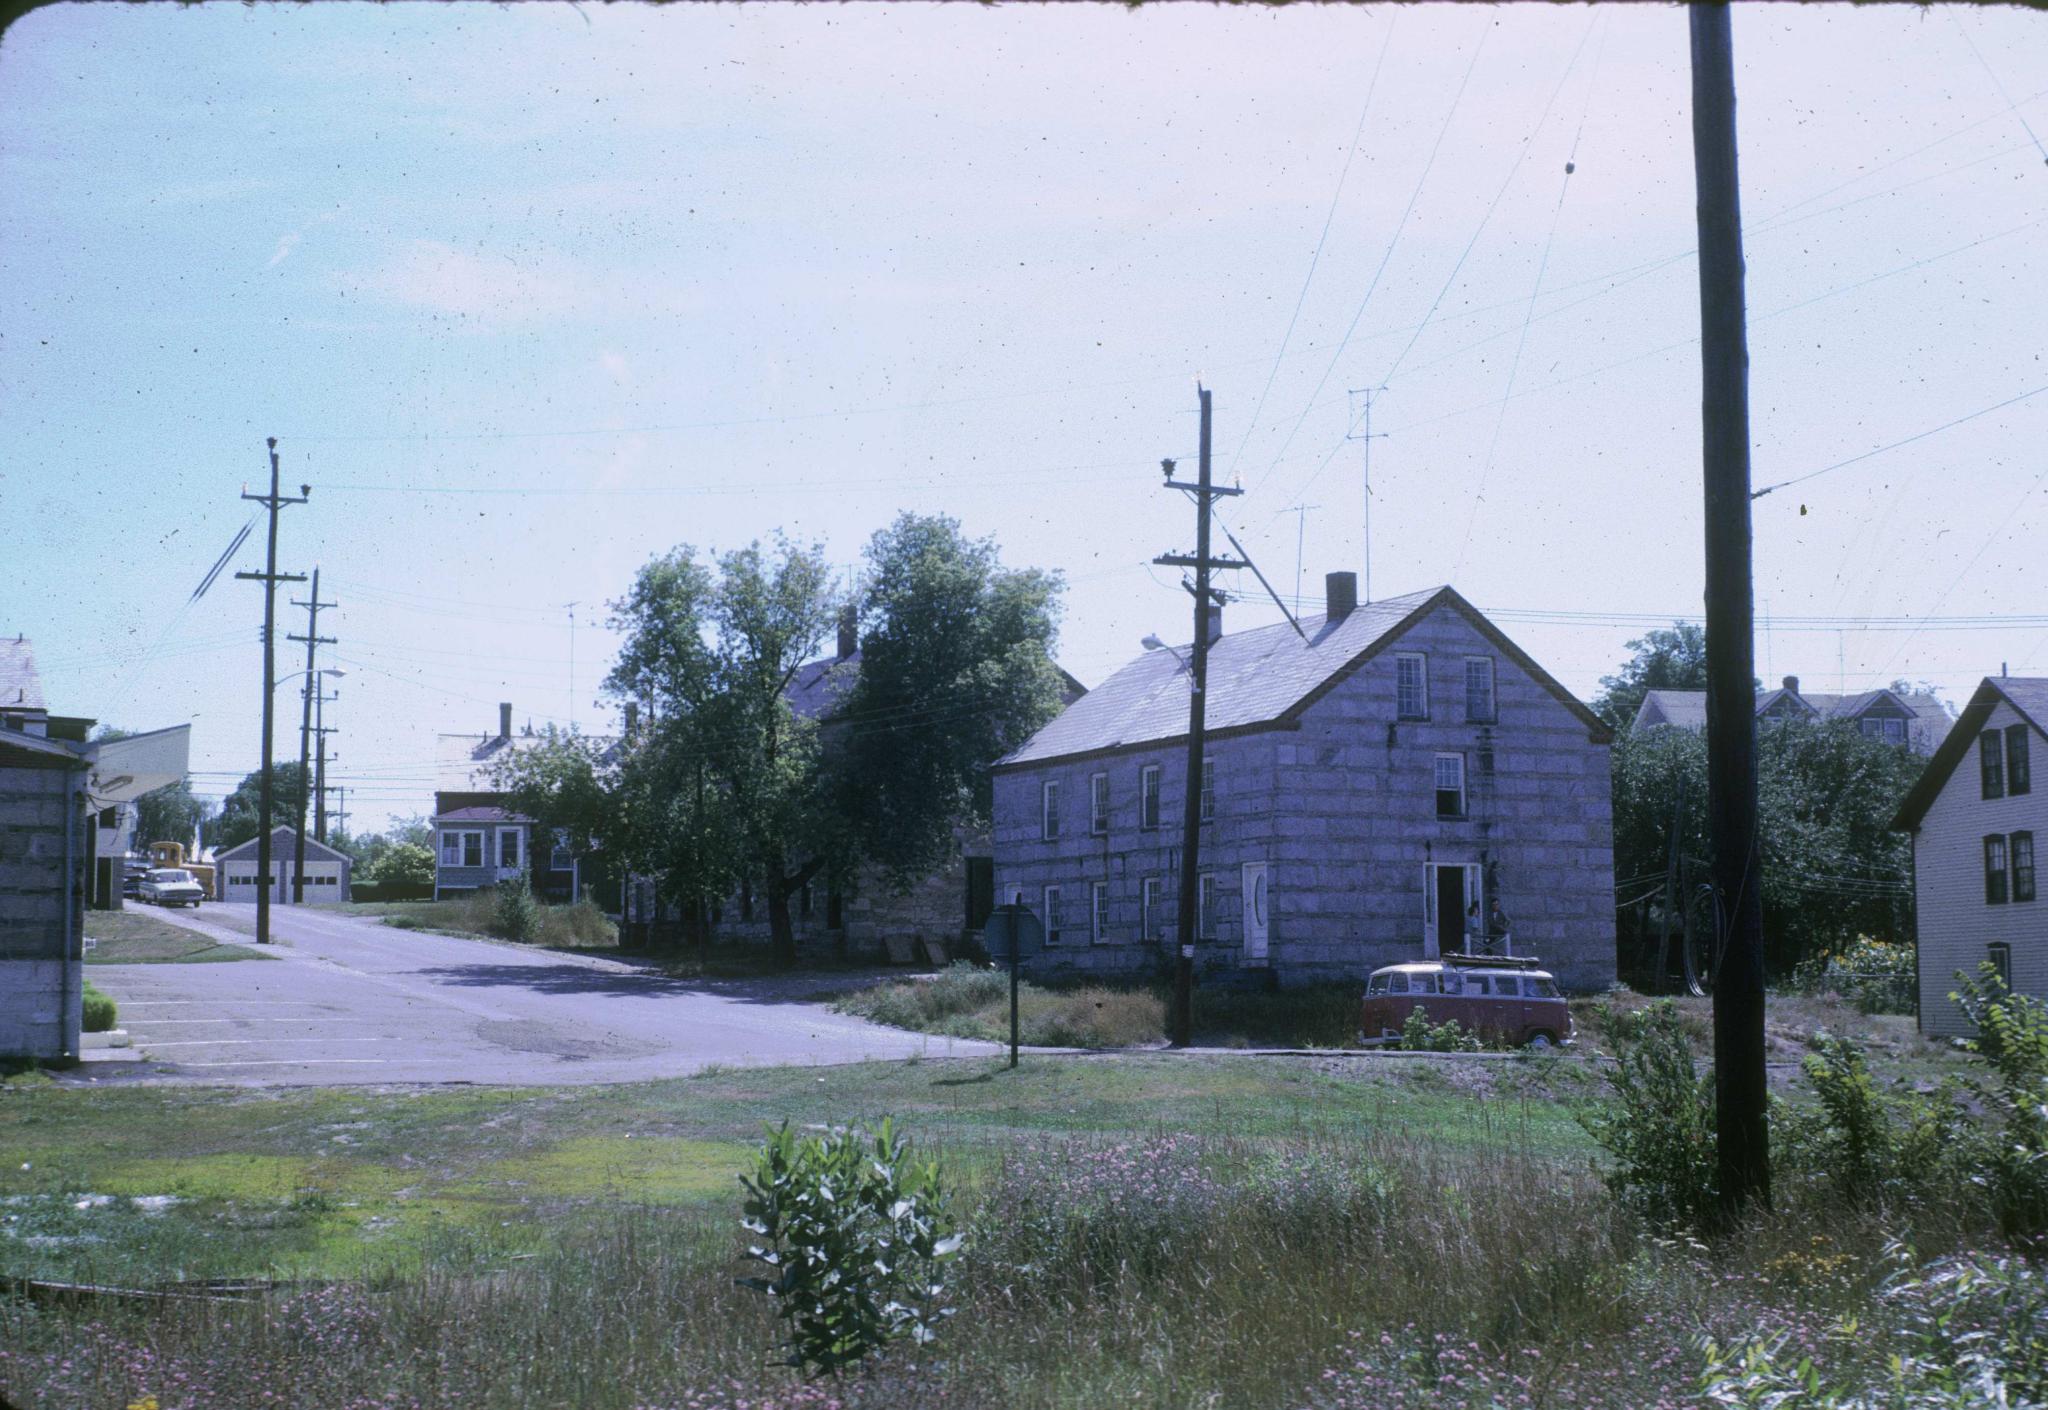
x=1542, y=1040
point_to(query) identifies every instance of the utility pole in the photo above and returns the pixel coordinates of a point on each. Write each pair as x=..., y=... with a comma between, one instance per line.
x=1365, y=433
x=572, y=606
x=321, y=730
x=1204, y=493
x=311, y=687
x=270, y=578
x=1740, y=1097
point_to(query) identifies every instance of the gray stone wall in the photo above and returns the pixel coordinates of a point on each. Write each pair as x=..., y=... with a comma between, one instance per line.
x=40, y=974
x=1341, y=806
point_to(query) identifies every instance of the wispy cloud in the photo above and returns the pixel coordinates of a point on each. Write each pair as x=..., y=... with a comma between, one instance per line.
x=289, y=241
x=490, y=287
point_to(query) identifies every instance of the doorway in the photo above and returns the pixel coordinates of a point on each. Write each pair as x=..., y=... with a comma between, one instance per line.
x=1448, y=890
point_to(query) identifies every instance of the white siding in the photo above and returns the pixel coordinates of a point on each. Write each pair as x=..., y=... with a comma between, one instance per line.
x=1956, y=925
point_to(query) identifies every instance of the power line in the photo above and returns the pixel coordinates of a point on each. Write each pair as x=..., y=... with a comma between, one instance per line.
x=1992, y=74
x=1335, y=196
x=1909, y=440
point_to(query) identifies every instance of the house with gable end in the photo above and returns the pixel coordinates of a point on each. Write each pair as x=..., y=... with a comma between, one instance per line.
x=1975, y=816
x=1911, y=719
x=479, y=840
x=1363, y=788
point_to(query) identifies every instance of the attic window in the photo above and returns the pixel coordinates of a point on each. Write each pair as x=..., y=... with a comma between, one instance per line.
x=1411, y=685
x=2018, y=776
x=1991, y=760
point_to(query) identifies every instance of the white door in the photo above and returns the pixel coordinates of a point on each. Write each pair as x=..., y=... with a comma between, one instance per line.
x=1257, y=915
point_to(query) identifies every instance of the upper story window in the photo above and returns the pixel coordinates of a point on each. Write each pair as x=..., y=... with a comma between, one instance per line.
x=1098, y=805
x=1208, y=790
x=2018, y=774
x=1994, y=870
x=1884, y=727
x=1411, y=685
x=1991, y=759
x=1479, y=705
x=1450, y=785
x=2020, y=847
x=1148, y=796
x=1049, y=809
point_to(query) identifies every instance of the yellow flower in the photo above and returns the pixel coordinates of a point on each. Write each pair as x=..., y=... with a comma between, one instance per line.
x=148, y=1402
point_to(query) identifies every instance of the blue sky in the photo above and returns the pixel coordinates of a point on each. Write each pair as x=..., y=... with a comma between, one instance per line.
x=531, y=293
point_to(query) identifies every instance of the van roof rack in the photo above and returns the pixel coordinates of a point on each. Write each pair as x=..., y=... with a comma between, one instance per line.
x=1492, y=961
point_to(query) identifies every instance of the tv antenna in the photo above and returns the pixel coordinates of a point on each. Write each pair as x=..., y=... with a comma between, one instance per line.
x=1360, y=429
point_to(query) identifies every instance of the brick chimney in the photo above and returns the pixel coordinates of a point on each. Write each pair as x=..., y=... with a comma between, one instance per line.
x=504, y=719
x=1340, y=595
x=1792, y=684
x=1215, y=620
x=849, y=633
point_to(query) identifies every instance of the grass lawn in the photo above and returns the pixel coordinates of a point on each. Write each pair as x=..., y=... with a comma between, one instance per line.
x=137, y=937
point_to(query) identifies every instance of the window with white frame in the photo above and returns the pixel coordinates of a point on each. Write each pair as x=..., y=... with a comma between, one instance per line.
x=1098, y=805
x=1991, y=763
x=1479, y=705
x=1098, y=911
x=1411, y=685
x=1049, y=809
x=1148, y=796
x=1151, y=918
x=1994, y=870
x=462, y=847
x=1205, y=907
x=511, y=847
x=2018, y=773
x=2021, y=850
x=1208, y=790
x=1450, y=785
x=1051, y=918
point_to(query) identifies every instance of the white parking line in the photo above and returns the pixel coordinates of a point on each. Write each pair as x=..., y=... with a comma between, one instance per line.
x=250, y=1042
x=216, y=1003
x=297, y=1062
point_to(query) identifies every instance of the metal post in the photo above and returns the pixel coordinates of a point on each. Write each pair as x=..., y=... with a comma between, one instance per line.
x=1014, y=948
x=1741, y=1130
x=270, y=578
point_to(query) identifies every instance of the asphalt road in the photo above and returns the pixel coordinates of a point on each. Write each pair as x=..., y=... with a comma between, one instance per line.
x=350, y=1000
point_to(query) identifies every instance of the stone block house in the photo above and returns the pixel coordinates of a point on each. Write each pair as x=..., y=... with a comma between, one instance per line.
x=1975, y=816
x=1363, y=788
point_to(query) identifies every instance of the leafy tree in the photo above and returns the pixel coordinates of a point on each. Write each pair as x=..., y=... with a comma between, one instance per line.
x=241, y=812
x=563, y=784
x=407, y=863
x=1673, y=658
x=1826, y=794
x=955, y=671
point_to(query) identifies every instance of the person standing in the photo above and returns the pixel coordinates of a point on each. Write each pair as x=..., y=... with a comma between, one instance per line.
x=1497, y=941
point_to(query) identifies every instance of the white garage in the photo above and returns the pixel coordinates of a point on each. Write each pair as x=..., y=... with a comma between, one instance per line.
x=237, y=874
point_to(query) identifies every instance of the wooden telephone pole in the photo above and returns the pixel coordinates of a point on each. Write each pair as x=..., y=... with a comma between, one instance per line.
x=1205, y=493
x=313, y=640
x=1740, y=1098
x=270, y=578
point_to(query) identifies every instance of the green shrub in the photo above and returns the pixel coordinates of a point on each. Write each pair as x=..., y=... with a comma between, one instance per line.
x=1866, y=1148
x=2012, y=1035
x=1419, y=1036
x=1878, y=976
x=853, y=1232
x=1659, y=1131
x=516, y=913
x=580, y=924
x=99, y=1010
x=403, y=863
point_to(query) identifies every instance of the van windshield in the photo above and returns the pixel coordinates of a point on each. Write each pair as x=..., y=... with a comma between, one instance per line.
x=1378, y=985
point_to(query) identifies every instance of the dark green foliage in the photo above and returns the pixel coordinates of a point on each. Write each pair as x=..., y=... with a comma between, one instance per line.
x=955, y=671
x=2012, y=1035
x=100, y=1015
x=1673, y=658
x=241, y=811
x=1865, y=1147
x=1833, y=870
x=1659, y=1129
x=1418, y=1035
x=404, y=864
x=854, y=1232
x=516, y=913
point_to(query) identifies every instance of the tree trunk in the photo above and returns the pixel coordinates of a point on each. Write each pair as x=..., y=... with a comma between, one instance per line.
x=781, y=934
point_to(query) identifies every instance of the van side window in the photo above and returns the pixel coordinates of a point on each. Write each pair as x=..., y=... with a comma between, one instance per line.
x=1542, y=988
x=1508, y=986
x=1378, y=985
x=1397, y=984
x=1478, y=984
x=1423, y=984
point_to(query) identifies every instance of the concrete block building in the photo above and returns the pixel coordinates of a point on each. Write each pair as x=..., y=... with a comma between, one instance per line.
x=1363, y=788
x=1975, y=814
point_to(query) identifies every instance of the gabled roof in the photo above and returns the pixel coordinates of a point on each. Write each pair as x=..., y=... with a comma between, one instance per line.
x=463, y=762
x=1257, y=678
x=21, y=688
x=1687, y=709
x=2028, y=696
x=481, y=814
x=315, y=848
x=814, y=691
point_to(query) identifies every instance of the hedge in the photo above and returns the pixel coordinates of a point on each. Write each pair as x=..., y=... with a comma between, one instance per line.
x=391, y=891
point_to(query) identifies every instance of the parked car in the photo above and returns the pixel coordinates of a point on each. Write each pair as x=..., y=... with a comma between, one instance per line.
x=1503, y=1000
x=170, y=886
x=132, y=872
